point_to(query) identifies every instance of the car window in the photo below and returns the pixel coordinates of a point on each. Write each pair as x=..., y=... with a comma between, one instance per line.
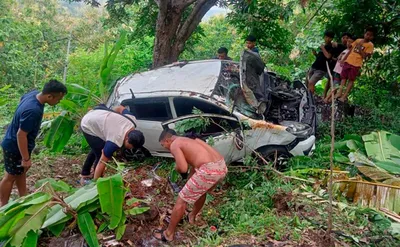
x=185, y=105
x=152, y=109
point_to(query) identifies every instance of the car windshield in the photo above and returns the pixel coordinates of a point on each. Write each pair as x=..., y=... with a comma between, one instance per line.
x=228, y=89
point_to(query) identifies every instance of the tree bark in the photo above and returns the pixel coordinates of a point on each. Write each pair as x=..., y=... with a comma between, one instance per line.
x=172, y=31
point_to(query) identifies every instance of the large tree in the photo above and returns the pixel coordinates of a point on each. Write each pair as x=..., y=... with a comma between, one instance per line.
x=176, y=21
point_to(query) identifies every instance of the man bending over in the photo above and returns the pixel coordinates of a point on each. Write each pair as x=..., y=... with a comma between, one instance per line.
x=207, y=169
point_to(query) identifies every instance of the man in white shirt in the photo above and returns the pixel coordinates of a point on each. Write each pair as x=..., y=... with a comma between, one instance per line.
x=106, y=131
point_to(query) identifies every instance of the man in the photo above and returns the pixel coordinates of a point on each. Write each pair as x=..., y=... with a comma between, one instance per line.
x=207, y=169
x=251, y=43
x=19, y=140
x=360, y=50
x=337, y=49
x=318, y=69
x=106, y=131
x=223, y=54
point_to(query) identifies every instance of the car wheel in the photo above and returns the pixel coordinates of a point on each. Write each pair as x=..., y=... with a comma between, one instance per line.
x=135, y=154
x=277, y=156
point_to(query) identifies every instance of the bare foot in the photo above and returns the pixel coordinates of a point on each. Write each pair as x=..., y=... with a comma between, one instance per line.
x=326, y=101
x=342, y=99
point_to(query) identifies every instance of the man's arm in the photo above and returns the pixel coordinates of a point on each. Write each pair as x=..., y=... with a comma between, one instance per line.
x=106, y=154
x=181, y=163
x=101, y=166
x=22, y=140
x=326, y=53
x=119, y=109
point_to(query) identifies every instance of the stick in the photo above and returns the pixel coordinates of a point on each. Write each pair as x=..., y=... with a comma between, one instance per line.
x=330, y=209
x=369, y=183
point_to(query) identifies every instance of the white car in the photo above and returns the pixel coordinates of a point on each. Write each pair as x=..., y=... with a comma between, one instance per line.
x=265, y=114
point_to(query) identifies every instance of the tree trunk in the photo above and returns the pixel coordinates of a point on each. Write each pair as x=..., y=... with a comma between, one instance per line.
x=172, y=32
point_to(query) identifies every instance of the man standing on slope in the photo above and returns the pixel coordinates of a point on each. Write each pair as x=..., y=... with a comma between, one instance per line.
x=19, y=140
x=207, y=169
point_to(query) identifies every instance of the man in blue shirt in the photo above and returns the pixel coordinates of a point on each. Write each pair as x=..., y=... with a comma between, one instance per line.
x=251, y=43
x=19, y=140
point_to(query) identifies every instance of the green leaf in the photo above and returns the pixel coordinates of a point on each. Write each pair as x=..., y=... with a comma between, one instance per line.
x=137, y=210
x=132, y=201
x=338, y=157
x=119, y=232
x=111, y=195
x=56, y=230
x=33, y=220
x=9, y=221
x=31, y=239
x=57, y=185
x=59, y=133
x=80, y=198
x=87, y=228
x=379, y=147
x=389, y=166
x=102, y=227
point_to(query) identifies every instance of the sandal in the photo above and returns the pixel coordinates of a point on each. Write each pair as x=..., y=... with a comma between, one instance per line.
x=161, y=232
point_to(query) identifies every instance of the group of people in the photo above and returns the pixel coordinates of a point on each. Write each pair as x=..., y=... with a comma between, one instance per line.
x=344, y=61
x=251, y=40
x=107, y=130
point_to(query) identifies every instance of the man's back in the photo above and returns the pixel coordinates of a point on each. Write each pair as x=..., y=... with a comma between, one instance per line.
x=28, y=117
x=196, y=151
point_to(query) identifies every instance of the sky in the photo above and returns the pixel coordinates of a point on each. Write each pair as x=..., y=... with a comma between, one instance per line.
x=214, y=11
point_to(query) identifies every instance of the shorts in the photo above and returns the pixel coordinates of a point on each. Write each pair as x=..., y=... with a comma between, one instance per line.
x=12, y=163
x=349, y=72
x=336, y=80
x=315, y=75
x=203, y=180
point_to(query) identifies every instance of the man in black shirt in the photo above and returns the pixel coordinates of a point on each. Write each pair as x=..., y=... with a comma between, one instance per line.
x=318, y=69
x=337, y=49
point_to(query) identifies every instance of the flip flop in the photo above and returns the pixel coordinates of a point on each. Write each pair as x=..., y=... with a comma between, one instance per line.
x=161, y=232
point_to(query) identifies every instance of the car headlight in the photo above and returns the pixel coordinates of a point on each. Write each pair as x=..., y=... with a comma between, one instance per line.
x=297, y=129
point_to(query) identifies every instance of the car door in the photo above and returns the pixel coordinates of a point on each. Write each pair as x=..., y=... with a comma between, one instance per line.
x=224, y=133
x=150, y=113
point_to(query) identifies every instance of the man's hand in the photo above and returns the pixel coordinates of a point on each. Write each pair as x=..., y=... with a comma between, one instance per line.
x=314, y=52
x=334, y=44
x=26, y=164
x=119, y=109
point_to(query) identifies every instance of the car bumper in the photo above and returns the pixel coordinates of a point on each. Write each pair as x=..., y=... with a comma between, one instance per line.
x=305, y=147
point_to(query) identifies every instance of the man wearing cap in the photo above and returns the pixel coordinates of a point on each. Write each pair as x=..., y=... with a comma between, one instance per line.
x=106, y=131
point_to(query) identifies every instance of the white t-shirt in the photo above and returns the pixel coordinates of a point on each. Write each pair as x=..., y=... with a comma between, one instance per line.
x=108, y=126
x=338, y=66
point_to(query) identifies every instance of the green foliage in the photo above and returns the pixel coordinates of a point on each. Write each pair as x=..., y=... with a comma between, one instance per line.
x=87, y=228
x=57, y=185
x=111, y=195
x=31, y=239
x=59, y=133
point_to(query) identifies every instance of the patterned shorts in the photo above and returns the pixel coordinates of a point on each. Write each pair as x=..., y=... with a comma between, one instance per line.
x=12, y=163
x=203, y=180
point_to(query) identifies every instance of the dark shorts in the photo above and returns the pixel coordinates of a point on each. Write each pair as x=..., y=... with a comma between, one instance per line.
x=336, y=79
x=12, y=163
x=349, y=72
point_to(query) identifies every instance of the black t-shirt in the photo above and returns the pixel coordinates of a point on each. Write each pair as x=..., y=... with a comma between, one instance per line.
x=320, y=61
x=336, y=51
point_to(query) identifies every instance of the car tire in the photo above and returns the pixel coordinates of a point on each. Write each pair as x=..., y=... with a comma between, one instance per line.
x=135, y=154
x=270, y=153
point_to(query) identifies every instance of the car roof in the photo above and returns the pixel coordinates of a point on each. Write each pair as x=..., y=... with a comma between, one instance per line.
x=194, y=76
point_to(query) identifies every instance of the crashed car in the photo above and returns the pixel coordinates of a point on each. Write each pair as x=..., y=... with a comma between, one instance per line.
x=236, y=107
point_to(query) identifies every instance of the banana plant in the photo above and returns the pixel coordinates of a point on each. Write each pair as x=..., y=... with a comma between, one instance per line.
x=80, y=99
x=23, y=220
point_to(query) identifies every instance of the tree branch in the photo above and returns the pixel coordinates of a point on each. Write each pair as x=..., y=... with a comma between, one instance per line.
x=200, y=9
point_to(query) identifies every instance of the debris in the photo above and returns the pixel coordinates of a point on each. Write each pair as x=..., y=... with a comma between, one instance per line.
x=147, y=182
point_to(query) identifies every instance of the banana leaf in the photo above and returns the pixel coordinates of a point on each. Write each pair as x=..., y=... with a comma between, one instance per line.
x=111, y=195
x=56, y=230
x=59, y=133
x=77, y=200
x=56, y=185
x=87, y=228
x=32, y=221
x=119, y=232
x=379, y=146
x=31, y=239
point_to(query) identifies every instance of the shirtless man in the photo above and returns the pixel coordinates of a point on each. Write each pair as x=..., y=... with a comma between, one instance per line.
x=207, y=169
